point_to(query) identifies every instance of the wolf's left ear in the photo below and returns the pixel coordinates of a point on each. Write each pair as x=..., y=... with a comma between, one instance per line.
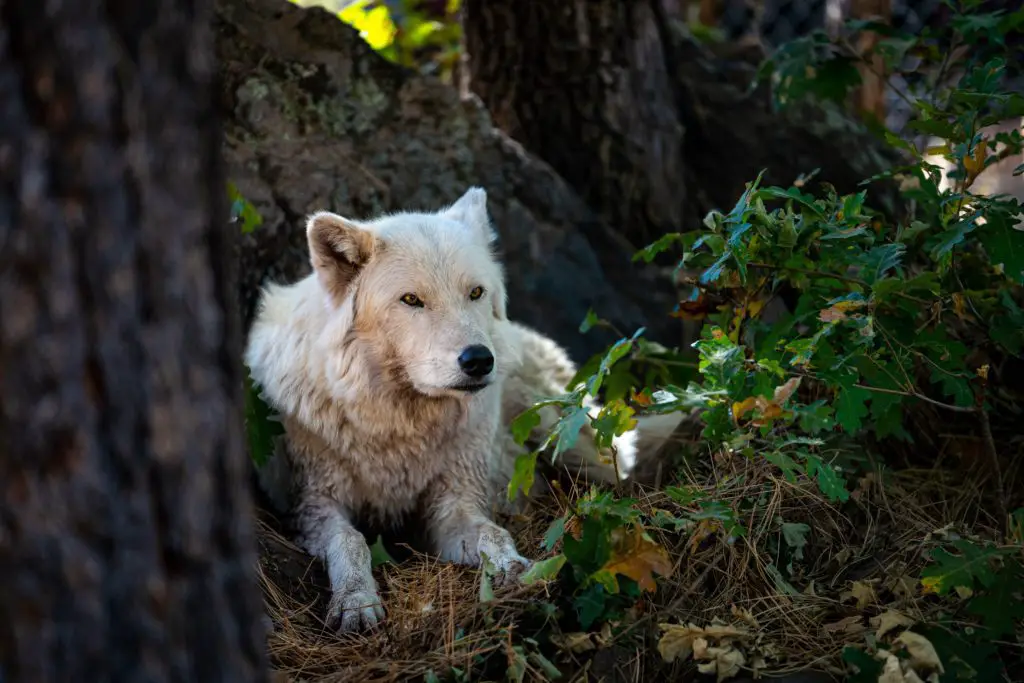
x=471, y=210
x=338, y=250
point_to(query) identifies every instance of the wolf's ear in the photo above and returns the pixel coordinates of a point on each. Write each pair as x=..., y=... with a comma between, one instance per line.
x=338, y=249
x=471, y=210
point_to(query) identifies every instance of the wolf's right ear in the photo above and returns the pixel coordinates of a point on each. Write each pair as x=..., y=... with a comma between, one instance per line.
x=338, y=249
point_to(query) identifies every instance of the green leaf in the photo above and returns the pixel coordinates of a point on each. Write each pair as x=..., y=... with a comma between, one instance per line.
x=550, y=670
x=522, y=475
x=1004, y=243
x=486, y=590
x=567, y=430
x=955, y=235
x=590, y=605
x=261, y=425
x=242, y=210
x=951, y=571
x=867, y=668
x=648, y=253
x=545, y=570
x=554, y=533
x=1001, y=606
x=829, y=481
x=617, y=352
x=795, y=536
x=524, y=424
x=851, y=407
x=379, y=554
x=790, y=467
x=880, y=260
x=589, y=321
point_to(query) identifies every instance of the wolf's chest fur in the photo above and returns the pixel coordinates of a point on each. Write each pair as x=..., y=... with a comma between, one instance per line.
x=384, y=473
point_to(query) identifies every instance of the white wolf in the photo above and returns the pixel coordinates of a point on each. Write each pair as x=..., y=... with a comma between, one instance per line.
x=396, y=373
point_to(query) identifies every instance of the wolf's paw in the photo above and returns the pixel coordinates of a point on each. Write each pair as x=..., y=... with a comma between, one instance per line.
x=354, y=611
x=497, y=544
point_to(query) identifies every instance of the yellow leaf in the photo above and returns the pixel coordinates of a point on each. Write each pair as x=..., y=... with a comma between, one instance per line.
x=635, y=555
x=755, y=307
x=930, y=584
x=743, y=407
x=373, y=23
x=974, y=164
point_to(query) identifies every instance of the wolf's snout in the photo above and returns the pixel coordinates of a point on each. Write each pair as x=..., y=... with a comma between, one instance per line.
x=476, y=361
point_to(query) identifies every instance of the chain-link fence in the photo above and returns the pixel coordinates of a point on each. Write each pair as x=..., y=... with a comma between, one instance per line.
x=777, y=21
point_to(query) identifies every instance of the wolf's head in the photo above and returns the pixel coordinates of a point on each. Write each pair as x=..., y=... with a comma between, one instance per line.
x=420, y=293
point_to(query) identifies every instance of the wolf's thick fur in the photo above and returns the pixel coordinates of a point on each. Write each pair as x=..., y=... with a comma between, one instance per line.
x=382, y=419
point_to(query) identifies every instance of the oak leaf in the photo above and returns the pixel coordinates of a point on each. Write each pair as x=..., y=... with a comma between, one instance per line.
x=635, y=555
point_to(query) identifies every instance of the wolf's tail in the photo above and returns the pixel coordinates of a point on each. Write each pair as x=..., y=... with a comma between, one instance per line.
x=637, y=452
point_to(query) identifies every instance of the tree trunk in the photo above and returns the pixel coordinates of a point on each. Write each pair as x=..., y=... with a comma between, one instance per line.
x=127, y=549
x=584, y=86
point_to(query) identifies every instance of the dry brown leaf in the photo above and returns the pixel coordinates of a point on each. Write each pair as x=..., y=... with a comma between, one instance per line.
x=902, y=586
x=745, y=616
x=891, y=671
x=573, y=642
x=724, y=661
x=635, y=555
x=894, y=671
x=862, y=591
x=838, y=311
x=678, y=641
x=784, y=391
x=884, y=623
x=854, y=624
x=705, y=528
x=923, y=656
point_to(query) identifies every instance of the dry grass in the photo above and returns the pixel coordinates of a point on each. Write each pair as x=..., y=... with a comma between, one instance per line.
x=435, y=621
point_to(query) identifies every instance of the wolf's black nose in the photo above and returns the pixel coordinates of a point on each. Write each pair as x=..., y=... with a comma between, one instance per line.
x=476, y=360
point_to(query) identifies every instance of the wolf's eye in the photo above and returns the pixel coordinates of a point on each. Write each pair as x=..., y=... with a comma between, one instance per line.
x=476, y=293
x=412, y=300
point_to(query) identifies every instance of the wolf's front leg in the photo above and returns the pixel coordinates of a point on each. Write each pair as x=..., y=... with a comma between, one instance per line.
x=327, y=533
x=462, y=531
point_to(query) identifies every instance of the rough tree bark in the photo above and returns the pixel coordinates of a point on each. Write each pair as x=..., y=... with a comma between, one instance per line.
x=584, y=86
x=652, y=129
x=127, y=549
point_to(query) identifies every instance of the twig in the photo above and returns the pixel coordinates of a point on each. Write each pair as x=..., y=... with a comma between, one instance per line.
x=914, y=394
x=993, y=454
x=833, y=276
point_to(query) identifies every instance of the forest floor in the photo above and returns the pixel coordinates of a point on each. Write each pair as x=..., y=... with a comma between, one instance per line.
x=805, y=579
